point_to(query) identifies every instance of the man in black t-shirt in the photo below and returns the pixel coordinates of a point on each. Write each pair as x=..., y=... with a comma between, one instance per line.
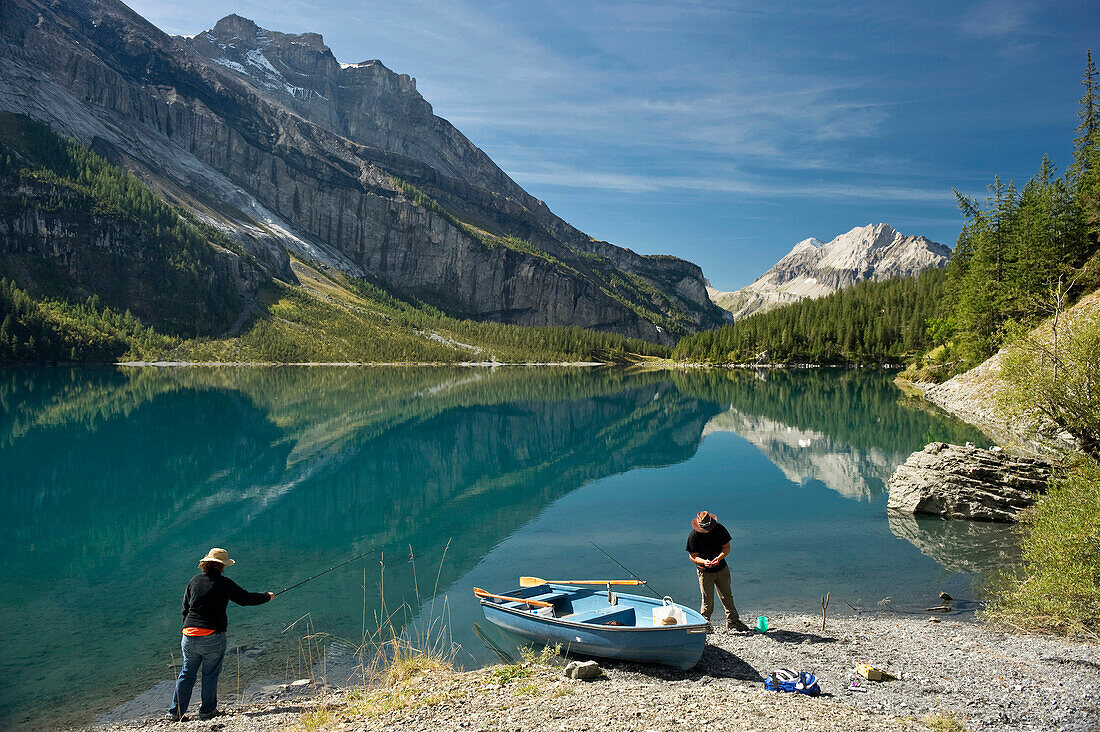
x=709, y=545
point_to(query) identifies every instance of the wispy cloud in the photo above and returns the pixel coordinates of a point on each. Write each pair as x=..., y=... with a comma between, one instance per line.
x=565, y=177
x=497, y=77
x=996, y=19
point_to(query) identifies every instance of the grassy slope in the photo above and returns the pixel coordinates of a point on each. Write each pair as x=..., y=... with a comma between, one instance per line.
x=321, y=318
x=326, y=317
x=1057, y=585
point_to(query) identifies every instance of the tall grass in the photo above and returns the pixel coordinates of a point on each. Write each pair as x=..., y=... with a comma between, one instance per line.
x=1057, y=586
x=393, y=655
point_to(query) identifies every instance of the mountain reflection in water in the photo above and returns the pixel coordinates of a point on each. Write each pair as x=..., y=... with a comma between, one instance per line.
x=117, y=480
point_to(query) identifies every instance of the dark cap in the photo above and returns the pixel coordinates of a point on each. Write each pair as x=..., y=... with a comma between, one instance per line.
x=704, y=521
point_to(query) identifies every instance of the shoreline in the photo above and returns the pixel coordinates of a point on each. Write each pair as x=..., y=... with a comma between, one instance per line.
x=970, y=402
x=662, y=364
x=985, y=678
x=267, y=364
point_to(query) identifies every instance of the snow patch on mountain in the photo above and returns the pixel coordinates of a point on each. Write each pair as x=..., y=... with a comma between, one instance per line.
x=815, y=269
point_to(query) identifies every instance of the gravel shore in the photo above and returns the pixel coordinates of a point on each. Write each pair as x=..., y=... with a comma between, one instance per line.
x=984, y=678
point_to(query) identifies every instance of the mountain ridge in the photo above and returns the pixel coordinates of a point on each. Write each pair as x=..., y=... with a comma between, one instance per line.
x=420, y=211
x=814, y=268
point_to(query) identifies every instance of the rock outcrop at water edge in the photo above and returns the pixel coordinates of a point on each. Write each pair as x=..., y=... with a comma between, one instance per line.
x=967, y=482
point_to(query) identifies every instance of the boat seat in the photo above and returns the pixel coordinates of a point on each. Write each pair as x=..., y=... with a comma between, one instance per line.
x=550, y=597
x=605, y=615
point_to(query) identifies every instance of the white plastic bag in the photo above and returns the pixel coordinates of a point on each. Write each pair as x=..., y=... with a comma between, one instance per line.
x=669, y=614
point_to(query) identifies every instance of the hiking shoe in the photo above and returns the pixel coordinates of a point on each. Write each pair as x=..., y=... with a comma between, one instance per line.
x=211, y=715
x=169, y=717
x=738, y=626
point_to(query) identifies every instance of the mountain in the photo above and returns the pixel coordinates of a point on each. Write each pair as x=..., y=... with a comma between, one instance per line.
x=805, y=454
x=269, y=139
x=97, y=267
x=813, y=269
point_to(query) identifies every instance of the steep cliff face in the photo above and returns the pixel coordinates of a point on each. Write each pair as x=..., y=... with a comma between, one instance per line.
x=365, y=102
x=107, y=257
x=815, y=269
x=70, y=227
x=266, y=136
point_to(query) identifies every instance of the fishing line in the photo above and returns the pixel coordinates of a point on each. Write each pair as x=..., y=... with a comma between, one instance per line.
x=645, y=584
x=341, y=564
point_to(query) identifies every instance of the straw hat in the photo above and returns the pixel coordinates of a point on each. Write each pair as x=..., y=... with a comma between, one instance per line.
x=704, y=521
x=221, y=556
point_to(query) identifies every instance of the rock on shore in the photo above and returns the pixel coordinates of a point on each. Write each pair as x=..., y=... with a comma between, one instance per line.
x=967, y=482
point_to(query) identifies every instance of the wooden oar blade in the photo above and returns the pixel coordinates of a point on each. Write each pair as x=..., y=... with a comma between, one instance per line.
x=534, y=581
x=478, y=592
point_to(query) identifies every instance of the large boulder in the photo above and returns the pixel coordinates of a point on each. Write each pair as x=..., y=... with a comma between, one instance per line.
x=967, y=482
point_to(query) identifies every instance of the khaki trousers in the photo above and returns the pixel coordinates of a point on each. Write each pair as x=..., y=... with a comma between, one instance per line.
x=711, y=581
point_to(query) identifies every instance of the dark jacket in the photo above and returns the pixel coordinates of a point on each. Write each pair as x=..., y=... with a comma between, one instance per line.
x=206, y=598
x=708, y=545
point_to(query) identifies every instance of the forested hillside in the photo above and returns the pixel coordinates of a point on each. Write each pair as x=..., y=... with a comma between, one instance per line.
x=868, y=323
x=72, y=225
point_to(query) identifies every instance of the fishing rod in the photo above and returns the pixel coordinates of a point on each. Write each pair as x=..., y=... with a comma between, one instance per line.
x=616, y=561
x=341, y=564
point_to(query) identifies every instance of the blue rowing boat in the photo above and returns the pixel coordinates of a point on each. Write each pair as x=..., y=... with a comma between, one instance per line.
x=596, y=622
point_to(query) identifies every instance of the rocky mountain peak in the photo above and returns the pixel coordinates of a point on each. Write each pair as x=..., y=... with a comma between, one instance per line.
x=811, y=243
x=804, y=248
x=815, y=269
x=296, y=66
x=349, y=99
x=234, y=27
x=241, y=32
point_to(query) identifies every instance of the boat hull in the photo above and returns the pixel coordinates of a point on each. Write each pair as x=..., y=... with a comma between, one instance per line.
x=680, y=646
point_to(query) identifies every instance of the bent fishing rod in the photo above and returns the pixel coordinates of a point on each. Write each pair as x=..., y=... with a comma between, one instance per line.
x=341, y=564
x=616, y=561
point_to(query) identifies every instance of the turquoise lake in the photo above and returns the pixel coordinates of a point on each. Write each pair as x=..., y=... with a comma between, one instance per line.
x=116, y=481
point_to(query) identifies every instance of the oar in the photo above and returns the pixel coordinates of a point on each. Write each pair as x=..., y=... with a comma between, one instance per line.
x=535, y=581
x=478, y=592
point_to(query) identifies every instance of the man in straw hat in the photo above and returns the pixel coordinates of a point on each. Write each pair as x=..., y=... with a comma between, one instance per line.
x=708, y=545
x=204, y=623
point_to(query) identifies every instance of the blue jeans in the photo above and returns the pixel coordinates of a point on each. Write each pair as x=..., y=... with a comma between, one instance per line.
x=207, y=652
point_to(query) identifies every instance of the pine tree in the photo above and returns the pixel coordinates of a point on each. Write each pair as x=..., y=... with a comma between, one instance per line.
x=1084, y=174
x=1089, y=127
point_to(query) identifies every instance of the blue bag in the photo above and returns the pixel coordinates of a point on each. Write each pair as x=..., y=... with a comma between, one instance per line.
x=786, y=680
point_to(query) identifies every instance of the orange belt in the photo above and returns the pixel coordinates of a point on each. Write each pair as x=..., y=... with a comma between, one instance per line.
x=197, y=631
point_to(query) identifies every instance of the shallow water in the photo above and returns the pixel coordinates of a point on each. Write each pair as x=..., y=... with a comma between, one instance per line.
x=115, y=481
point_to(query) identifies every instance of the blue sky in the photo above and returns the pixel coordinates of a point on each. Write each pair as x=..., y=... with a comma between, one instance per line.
x=724, y=132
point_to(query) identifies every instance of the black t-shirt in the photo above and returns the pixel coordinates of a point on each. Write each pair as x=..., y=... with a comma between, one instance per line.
x=709, y=545
x=206, y=598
